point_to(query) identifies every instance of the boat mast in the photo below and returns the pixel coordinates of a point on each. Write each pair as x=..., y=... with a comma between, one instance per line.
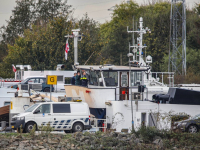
x=139, y=45
x=77, y=38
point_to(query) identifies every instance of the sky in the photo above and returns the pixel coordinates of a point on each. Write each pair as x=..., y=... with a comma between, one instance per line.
x=96, y=9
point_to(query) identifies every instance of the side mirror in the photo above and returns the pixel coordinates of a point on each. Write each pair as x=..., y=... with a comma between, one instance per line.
x=100, y=80
x=36, y=111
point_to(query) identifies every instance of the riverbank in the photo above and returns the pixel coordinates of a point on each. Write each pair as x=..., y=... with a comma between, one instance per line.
x=147, y=138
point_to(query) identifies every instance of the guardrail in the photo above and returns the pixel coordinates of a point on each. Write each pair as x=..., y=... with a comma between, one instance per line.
x=99, y=124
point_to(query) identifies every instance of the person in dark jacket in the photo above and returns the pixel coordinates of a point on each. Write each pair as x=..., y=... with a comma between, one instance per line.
x=78, y=78
x=84, y=80
x=73, y=79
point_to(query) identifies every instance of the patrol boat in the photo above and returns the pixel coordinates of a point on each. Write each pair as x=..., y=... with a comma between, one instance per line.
x=122, y=94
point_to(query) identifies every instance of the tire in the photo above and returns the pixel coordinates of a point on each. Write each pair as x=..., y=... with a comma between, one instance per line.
x=47, y=90
x=192, y=129
x=77, y=127
x=29, y=127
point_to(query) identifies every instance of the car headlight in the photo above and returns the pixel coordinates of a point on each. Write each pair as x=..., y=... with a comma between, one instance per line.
x=20, y=118
x=183, y=123
x=176, y=123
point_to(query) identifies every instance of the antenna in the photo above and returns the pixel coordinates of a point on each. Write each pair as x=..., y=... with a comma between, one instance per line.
x=76, y=37
x=177, y=48
x=139, y=45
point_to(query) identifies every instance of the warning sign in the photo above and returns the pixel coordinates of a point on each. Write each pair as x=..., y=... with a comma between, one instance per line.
x=51, y=80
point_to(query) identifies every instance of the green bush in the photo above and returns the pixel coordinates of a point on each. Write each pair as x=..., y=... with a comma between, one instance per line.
x=148, y=133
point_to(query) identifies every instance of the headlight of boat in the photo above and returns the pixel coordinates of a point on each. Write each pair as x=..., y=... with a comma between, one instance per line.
x=20, y=118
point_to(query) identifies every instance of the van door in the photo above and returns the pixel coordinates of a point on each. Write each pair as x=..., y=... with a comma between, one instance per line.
x=61, y=116
x=42, y=115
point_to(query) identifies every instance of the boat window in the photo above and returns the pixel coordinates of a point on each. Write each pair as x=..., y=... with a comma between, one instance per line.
x=136, y=78
x=93, y=77
x=124, y=79
x=110, y=78
x=67, y=80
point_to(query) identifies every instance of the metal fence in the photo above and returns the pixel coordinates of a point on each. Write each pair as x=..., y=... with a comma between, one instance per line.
x=99, y=124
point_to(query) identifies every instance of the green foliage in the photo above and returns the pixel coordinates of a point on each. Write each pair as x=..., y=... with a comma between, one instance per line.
x=30, y=12
x=32, y=132
x=114, y=34
x=46, y=130
x=35, y=35
x=90, y=46
x=147, y=133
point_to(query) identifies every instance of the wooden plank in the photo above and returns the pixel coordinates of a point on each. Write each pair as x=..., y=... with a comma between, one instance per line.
x=4, y=110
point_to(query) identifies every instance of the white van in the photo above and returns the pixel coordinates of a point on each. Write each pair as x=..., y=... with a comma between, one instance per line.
x=67, y=116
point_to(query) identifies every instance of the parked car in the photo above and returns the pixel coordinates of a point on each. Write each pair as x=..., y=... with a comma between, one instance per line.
x=191, y=125
x=32, y=80
x=67, y=116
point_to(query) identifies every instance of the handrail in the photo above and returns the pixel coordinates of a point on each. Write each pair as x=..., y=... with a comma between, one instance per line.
x=95, y=125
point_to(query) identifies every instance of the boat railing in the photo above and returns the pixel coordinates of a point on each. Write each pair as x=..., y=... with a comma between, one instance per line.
x=165, y=77
x=8, y=81
x=99, y=124
x=132, y=93
x=126, y=93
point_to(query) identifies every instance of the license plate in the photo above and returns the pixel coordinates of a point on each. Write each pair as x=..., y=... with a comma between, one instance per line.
x=12, y=126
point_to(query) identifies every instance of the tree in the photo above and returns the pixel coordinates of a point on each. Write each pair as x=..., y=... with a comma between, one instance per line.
x=41, y=47
x=30, y=12
x=89, y=46
x=114, y=34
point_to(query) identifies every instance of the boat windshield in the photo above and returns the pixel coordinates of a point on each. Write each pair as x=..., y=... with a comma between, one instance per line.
x=94, y=77
x=196, y=117
x=30, y=109
x=136, y=78
x=111, y=78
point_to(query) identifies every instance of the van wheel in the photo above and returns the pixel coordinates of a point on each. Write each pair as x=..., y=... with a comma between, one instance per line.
x=77, y=127
x=29, y=127
x=47, y=90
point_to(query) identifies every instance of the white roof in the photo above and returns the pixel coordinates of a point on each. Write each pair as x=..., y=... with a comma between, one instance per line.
x=110, y=67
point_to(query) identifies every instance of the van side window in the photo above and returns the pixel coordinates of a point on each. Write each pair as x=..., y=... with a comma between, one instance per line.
x=61, y=108
x=44, y=108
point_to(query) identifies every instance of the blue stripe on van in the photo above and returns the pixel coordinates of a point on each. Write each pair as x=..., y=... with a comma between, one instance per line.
x=86, y=120
x=59, y=127
x=62, y=121
x=68, y=121
x=65, y=127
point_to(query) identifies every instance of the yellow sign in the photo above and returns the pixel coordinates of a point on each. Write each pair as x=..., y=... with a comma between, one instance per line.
x=51, y=80
x=12, y=126
x=11, y=105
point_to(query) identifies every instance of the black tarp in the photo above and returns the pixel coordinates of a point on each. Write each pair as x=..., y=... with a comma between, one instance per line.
x=179, y=96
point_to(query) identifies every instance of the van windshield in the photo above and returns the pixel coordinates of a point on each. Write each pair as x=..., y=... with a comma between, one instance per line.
x=24, y=81
x=30, y=109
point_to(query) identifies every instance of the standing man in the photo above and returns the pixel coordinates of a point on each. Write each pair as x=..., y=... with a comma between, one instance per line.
x=78, y=78
x=84, y=80
x=73, y=79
